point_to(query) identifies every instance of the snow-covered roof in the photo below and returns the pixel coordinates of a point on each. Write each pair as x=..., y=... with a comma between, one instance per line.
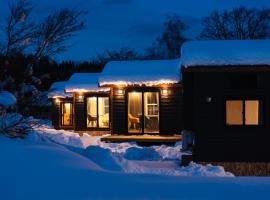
x=7, y=99
x=148, y=72
x=57, y=90
x=226, y=53
x=84, y=82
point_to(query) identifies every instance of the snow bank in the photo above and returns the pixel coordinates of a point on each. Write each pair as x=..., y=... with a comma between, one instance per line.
x=126, y=157
x=7, y=99
x=147, y=72
x=226, y=52
x=43, y=170
x=84, y=82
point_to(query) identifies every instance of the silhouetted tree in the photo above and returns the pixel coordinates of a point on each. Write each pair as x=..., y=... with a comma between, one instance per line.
x=124, y=53
x=167, y=46
x=239, y=23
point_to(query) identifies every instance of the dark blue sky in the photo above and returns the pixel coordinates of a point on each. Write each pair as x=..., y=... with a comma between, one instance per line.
x=112, y=24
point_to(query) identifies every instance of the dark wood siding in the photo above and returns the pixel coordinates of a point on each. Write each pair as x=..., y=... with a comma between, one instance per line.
x=171, y=109
x=118, y=112
x=79, y=113
x=214, y=141
x=55, y=114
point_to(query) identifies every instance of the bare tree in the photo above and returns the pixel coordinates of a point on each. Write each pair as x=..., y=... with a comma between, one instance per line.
x=18, y=29
x=169, y=43
x=53, y=33
x=124, y=53
x=240, y=23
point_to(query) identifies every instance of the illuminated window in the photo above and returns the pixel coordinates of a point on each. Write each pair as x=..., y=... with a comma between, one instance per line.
x=143, y=112
x=98, y=112
x=66, y=114
x=243, y=112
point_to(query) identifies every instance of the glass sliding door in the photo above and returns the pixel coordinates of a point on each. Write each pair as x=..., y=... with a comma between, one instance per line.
x=92, y=112
x=66, y=114
x=143, y=112
x=151, y=112
x=103, y=112
x=98, y=112
x=135, y=112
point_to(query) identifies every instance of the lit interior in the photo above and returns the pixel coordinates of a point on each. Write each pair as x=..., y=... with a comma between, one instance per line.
x=137, y=113
x=235, y=115
x=234, y=112
x=251, y=112
x=66, y=114
x=98, y=112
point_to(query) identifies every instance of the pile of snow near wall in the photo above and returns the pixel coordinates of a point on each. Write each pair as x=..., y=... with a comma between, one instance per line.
x=148, y=72
x=226, y=53
x=7, y=99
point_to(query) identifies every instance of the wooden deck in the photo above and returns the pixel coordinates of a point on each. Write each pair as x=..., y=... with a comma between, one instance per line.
x=142, y=138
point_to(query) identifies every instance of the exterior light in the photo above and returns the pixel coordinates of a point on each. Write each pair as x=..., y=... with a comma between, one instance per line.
x=208, y=99
x=165, y=91
x=120, y=91
x=80, y=96
x=57, y=100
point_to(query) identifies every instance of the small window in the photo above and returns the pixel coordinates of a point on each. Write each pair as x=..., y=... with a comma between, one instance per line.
x=243, y=112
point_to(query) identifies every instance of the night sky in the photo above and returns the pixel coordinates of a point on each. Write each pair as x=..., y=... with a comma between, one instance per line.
x=112, y=24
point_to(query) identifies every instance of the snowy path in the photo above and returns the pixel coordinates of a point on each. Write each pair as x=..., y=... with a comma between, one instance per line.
x=41, y=170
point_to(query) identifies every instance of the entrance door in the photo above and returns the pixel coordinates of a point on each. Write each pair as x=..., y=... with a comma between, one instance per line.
x=143, y=112
x=66, y=114
x=98, y=109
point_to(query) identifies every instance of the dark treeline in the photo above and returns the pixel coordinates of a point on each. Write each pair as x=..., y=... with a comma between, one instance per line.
x=27, y=48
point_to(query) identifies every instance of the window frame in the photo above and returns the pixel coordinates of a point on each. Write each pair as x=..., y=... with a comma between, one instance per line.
x=143, y=90
x=97, y=96
x=62, y=116
x=244, y=99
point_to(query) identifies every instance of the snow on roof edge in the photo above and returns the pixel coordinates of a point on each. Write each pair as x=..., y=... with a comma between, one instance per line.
x=225, y=53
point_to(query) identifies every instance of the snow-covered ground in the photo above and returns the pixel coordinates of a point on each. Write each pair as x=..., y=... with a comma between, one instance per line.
x=127, y=157
x=51, y=164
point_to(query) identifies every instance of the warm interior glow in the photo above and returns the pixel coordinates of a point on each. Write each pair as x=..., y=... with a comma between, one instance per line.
x=251, y=112
x=66, y=114
x=234, y=112
x=243, y=112
x=143, y=112
x=98, y=112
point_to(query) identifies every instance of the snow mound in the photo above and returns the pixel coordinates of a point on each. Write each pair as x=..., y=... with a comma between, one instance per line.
x=7, y=99
x=135, y=153
x=194, y=169
x=102, y=157
x=126, y=157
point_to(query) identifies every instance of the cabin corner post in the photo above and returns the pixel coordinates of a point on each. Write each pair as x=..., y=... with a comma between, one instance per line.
x=79, y=112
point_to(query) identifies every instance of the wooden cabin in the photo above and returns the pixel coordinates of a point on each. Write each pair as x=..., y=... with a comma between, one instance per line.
x=127, y=98
x=79, y=104
x=146, y=97
x=226, y=87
